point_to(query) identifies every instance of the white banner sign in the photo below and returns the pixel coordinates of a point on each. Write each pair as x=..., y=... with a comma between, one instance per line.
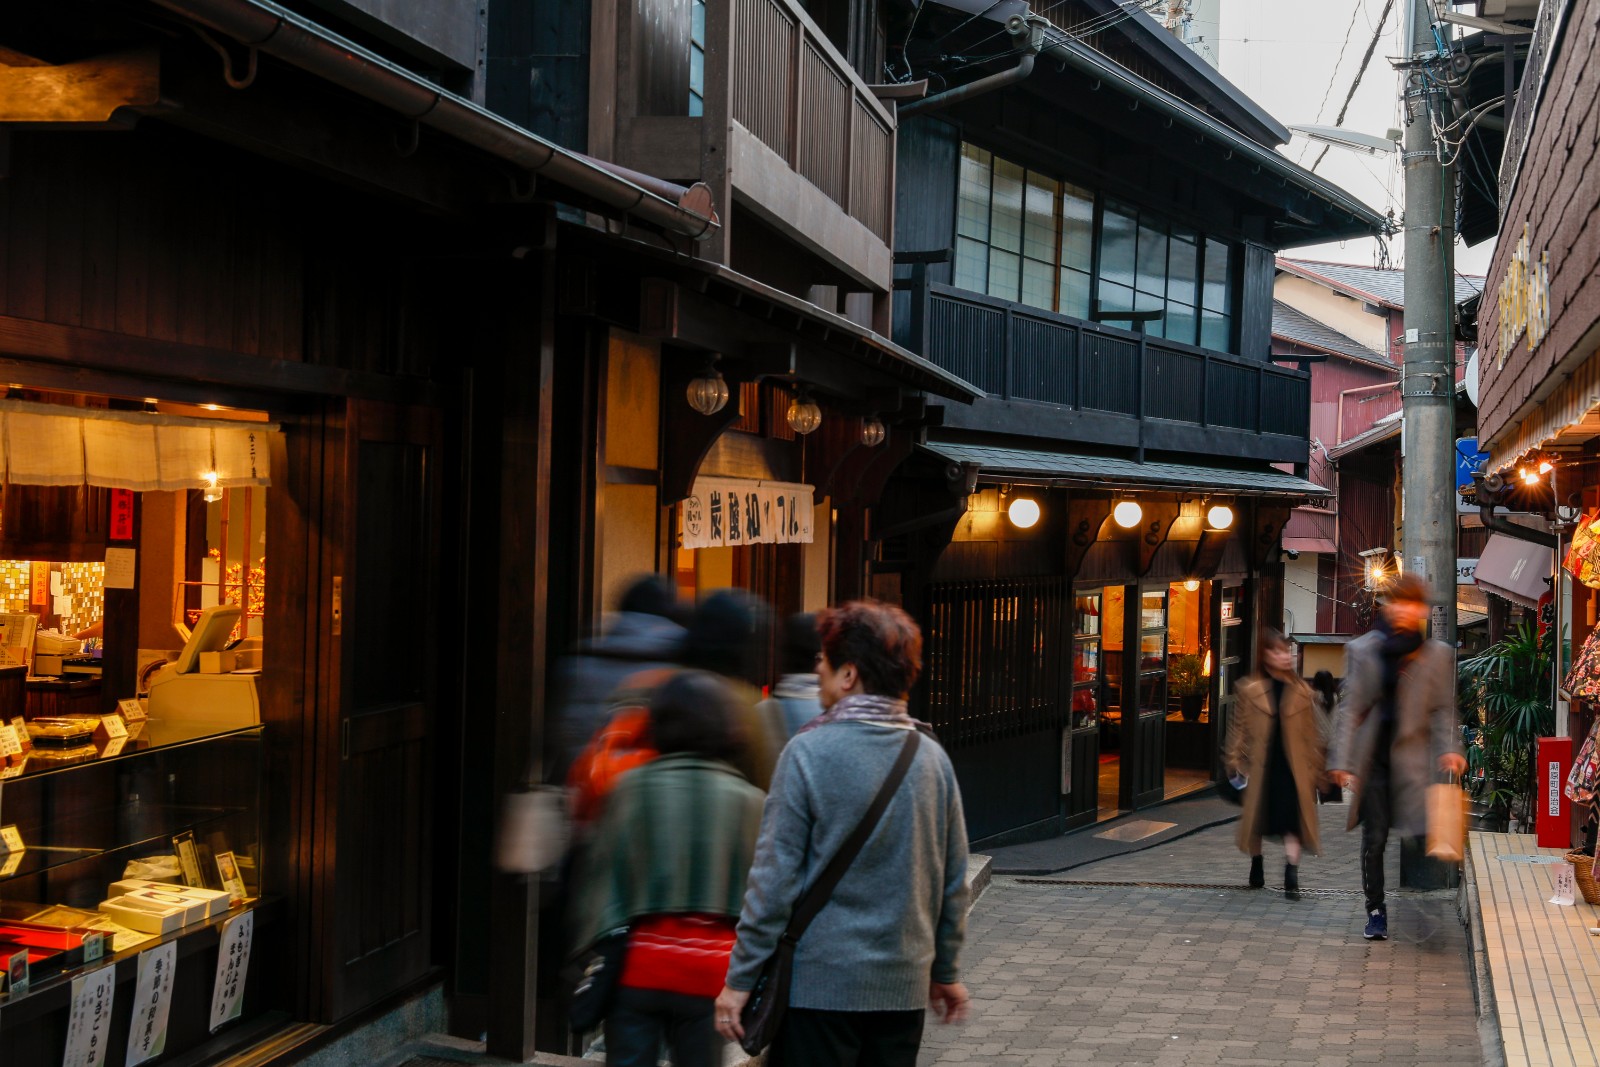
x=89, y=1023
x=728, y=512
x=152, y=1000
x=233, y=967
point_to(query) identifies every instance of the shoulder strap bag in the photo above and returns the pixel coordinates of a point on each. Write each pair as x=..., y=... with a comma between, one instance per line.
x=763, y=1012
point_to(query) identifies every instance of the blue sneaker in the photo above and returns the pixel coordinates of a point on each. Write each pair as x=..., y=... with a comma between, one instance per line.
x=1377, y=925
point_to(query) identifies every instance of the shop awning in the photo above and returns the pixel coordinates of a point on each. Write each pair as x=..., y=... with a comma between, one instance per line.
x=1310, y=544
x=45, y=444
x=1517, y=570
x=1106, y=472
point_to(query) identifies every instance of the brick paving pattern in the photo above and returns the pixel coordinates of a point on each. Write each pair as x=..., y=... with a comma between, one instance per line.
x=1173, y=977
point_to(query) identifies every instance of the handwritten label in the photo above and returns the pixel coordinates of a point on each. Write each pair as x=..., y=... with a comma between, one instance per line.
x=11, y=839
x=1565, y=885
x=132, y=709
x=120, y=568
x=121, y=515
x=113, y=747
x=233, y=967
x=152, y=1000
x=113, y=726
x=10, y=743
x=21, y=726
x=90, y=1021
x=94, y=946
x=17, y=974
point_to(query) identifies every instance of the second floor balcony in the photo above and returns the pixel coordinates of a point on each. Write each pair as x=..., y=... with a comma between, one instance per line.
x=1051, y=375
x=751, y=97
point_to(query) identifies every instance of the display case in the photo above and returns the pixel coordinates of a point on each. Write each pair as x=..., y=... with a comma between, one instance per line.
x=152, y=811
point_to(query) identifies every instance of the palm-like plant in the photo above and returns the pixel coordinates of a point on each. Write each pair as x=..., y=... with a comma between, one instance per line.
x=1505, y=696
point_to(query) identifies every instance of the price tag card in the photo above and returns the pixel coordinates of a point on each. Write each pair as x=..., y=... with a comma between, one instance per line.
x=17, y=974
x=90, y=1021
x=9, y=864
x=228, y=868
x=1566, y=885
x=132, y=709
x=13, y=770
x=113, y=747
x=233, y=967
x=10, y=743
x=94, y=946
x=21, y=726
x=114, y=726
x=11, y=839
x=152, y=1000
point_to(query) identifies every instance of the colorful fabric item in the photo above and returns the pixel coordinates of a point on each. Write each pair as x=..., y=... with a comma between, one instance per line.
x=1583, y=556
x=680, y=954
x=1585, y=773
x=1583, y=680
x=866, y=707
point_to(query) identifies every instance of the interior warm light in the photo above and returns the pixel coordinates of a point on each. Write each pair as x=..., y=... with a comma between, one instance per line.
x=1127, y=513
x=1220, y=517
x=707, y=394
x=1205, y=668
x=1545, y=466
x=803, y=416
x=873, y=431
x=1023, y=512
x=1192, y=585
x=1528, y=477
x=212, y=492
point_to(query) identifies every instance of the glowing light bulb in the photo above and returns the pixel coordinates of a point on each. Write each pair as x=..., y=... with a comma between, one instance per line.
x=1192, y=585
x=1127, y=513
x=1220, y=517
x=1545, y=466
x=1023, y=512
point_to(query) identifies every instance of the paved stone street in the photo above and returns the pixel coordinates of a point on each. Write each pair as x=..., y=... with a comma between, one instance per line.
x=1158, y=974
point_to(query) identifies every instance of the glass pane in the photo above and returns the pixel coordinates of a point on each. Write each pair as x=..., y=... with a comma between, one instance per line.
x=1085, y=708
x=1143, y=301
x=1005, y=219
x=1077, y=227
x=1086, y=614
x=697, y=105
x=1180, y=324
x=1038, y=284
x=1183, y=262
x=697, y=30
x=1152, y=260
x=1232, y=641
x=1153, y=610
x=1153, y=694
x=697, y=71
x=1152, y=652
x=1005, y=274
x=972, y=207
x=1118, y=242
x=1074, y=293
x=1114, y=298
x=1217, y=274
x=1214, y=331
x=1039, y=233
x=1086, y=662
x=972, y=265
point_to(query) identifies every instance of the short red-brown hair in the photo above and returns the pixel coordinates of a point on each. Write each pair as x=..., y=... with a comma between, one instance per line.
x=1406, y=588
x=881, y=640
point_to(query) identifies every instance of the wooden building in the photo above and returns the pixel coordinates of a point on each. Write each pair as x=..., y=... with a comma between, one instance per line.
x=1087, y=225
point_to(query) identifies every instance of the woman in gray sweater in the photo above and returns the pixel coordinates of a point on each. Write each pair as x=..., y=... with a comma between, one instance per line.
x=887, y=943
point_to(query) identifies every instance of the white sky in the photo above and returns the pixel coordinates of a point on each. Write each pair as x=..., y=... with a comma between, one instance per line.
x=1284, y=54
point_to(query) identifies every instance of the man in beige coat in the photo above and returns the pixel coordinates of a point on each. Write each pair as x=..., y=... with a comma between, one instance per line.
x=1396, y=724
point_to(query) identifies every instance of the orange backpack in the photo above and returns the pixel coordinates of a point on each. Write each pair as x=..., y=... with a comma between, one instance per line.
x=622, y=744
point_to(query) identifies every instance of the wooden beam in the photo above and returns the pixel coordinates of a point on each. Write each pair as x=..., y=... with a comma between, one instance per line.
x=1153, y=531
x=89, y=91
x=1085, y=517
x=1265, y=533
x=196, y=365
x=1208, y=553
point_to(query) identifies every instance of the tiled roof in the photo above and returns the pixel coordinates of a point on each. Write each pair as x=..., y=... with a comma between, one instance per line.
x=1379, y=285
x=1112, y=472
x=1292, y=324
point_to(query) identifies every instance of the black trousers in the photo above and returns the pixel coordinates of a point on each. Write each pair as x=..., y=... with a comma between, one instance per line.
x=810, y=1038
x=1377, y=811
x=641, y=1018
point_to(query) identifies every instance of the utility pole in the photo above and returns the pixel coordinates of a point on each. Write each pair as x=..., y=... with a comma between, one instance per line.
x=1428, y=511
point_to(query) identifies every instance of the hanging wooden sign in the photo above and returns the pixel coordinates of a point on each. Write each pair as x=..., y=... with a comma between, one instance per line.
x=729, y=512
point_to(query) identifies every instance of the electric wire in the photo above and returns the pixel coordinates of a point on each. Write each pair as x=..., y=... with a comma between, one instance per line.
x=1366, y=60
x=1336, y=63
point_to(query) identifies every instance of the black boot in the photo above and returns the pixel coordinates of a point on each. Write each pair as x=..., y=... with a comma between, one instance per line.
x=1291, y=882
x=1258, y=873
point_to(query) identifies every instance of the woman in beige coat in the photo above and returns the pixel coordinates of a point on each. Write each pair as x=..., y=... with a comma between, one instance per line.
x=1277, y=746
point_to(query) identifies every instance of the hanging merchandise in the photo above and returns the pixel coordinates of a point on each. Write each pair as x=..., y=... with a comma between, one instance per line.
x=1583, y=557
x=1583, y=680
x=1585, y=775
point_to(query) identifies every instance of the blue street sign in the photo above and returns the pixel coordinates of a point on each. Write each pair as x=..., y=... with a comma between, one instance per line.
x=1468, y=460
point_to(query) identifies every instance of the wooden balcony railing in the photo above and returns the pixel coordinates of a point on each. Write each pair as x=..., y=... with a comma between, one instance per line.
x=796, y=94
x=1015, y=352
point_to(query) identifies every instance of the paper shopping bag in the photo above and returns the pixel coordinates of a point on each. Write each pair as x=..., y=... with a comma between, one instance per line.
x=1447, y=822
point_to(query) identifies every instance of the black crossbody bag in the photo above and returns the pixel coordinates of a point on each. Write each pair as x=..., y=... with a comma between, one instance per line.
x=763, y=1012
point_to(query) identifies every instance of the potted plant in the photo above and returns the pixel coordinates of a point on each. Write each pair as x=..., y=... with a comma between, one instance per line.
x=1187, y=681
x=1504, y=695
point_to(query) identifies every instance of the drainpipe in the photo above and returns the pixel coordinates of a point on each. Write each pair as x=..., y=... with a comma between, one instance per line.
x=1029, y=35
x=1491, y=521
x=261, y=25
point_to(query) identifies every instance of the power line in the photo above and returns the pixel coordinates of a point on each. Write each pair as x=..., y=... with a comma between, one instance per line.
x=1336, y=63
x=1372, y=46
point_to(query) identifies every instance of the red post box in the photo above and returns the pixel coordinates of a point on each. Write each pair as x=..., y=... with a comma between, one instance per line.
x=1550, y=797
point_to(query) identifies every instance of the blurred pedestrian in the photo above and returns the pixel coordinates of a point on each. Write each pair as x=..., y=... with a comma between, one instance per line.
x=795, y=700
x=886, y=942
x=644, y=633
x=728, y=636
x=1325, y=695
x=1396, y=725
x=1276, y=745
x=668, y=860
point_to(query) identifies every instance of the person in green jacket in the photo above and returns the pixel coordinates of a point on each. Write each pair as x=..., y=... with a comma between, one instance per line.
x=668, y=859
